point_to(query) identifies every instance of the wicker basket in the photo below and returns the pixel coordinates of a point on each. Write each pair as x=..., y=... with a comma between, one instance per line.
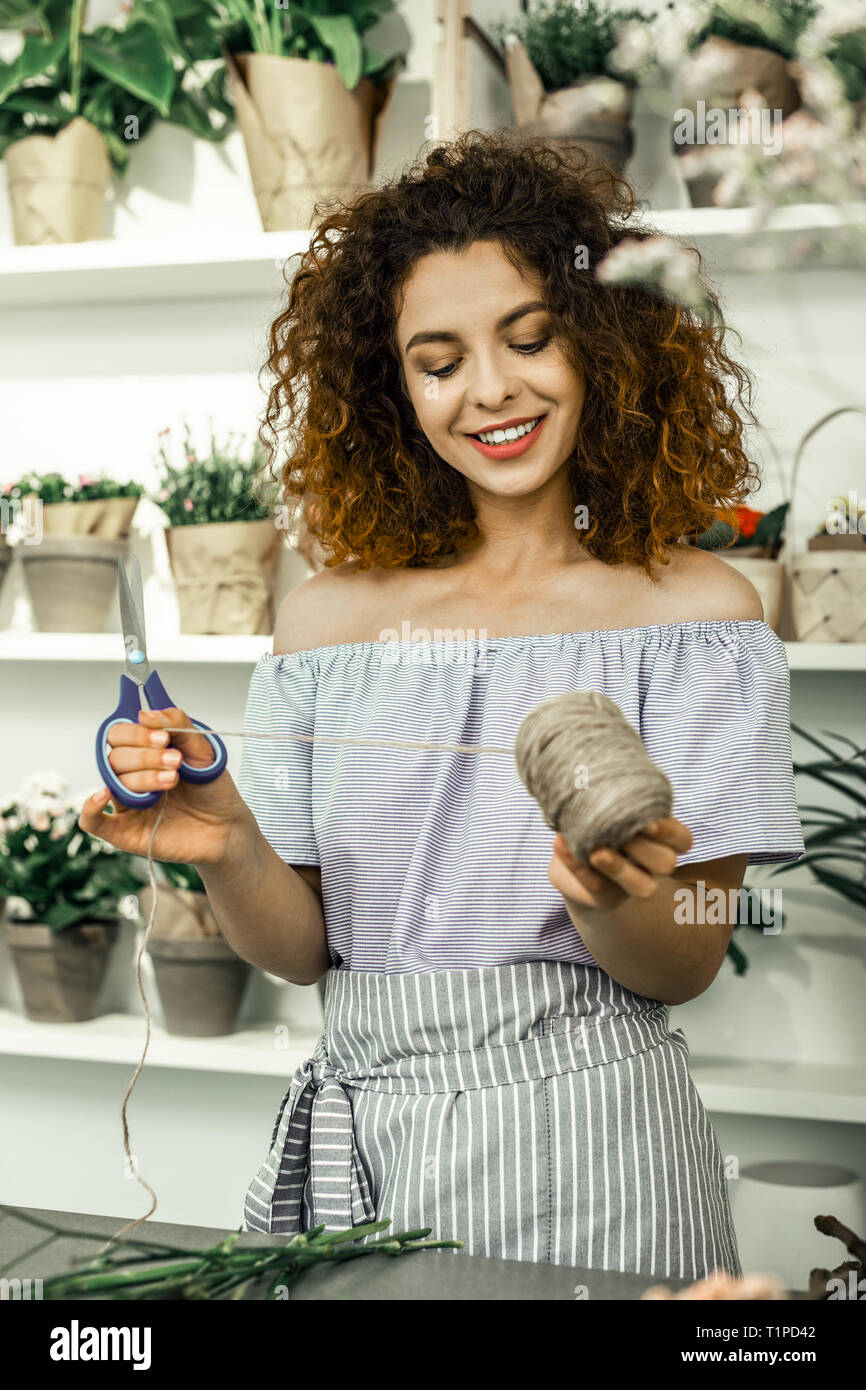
x=828, y=583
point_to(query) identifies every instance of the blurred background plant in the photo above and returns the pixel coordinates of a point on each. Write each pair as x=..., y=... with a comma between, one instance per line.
x=53, y=487
x=230, y=484
x=566, y=41
x=120, y=77
x=51, y=872
x=323, y=31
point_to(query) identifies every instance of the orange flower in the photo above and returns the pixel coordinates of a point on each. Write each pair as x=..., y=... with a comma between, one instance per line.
x=747, y=520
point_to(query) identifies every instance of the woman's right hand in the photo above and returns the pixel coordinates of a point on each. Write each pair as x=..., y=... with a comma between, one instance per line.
x=199, y=820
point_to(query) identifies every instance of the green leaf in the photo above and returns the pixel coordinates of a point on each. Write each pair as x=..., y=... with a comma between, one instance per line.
x=38, y=58
x=339, y=35
x=136, y=62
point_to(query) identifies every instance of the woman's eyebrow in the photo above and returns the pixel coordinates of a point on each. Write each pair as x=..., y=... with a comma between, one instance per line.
x=504, y=322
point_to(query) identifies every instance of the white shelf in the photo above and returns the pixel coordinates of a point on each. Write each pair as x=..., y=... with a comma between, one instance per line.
x=201, y=266
x=174, y=648
x=119, y=1038
x=91, y=272
x=167, y=649
x=790, y=1090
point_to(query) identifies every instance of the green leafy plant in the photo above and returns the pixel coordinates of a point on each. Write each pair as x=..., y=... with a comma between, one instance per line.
x=323, y=31
x=838, y=834
x=226, y=486
x=47, y=865
x=772, y=24
x=53, y=487
x=120, y=78
x=152, y=1270
x=566, y=41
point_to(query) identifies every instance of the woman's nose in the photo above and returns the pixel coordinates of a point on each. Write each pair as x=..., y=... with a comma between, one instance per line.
x=491, y=384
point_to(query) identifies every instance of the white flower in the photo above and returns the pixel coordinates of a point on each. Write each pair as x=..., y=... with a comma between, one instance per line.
x=18, y=907
x=31, y=843
x=74, y=845
x=43, y=784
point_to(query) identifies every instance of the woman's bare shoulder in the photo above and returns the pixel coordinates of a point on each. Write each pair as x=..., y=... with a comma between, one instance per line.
x=327, y=608
x=698, y=586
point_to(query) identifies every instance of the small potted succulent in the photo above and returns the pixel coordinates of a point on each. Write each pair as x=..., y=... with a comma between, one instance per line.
x=557, y=57
x=309, y=95
x=200, y=978
x=65, y=892
x=223, y=535
x=72, y=572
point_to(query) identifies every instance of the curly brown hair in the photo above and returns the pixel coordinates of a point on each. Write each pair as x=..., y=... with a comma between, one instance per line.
x=658, y=455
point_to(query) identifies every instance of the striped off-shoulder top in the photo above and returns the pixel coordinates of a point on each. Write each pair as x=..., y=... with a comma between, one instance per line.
x=434, y=860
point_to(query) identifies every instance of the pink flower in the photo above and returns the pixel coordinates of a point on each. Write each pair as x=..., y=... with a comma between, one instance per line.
x=190, y=458
x=167, y=430
x=7, y=487
x=163, y=494
x=41, y=822
x=85, y=480
x=187, y=502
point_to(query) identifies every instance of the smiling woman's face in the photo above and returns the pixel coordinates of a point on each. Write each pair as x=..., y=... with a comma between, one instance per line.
x=478, y=354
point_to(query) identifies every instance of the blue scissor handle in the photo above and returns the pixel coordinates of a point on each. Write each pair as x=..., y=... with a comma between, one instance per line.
x=127, y=712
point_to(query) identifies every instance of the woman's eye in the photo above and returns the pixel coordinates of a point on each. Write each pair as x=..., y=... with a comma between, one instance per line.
x=529, y=348
x=526, y=349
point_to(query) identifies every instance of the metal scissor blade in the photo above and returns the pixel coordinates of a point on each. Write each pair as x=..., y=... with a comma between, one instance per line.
x=131, y=598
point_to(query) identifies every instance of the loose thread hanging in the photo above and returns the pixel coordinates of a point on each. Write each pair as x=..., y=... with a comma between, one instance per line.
x=131, y=1225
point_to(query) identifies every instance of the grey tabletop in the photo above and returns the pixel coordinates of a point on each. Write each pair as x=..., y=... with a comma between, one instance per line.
x=425, y=1275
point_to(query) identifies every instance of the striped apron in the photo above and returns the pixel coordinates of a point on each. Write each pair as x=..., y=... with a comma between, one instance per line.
x=535, y=1111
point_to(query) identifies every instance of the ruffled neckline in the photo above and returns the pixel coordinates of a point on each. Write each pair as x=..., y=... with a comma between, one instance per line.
x=693, y=629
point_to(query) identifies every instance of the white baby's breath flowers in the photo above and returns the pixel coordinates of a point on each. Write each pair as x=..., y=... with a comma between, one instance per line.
x=656, y=261
x=831, y=23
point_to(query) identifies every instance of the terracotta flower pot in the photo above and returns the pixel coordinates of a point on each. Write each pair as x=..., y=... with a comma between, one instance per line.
x=72, y=581
x=61, y=973
x=201, y=980
x=201, y=985
x=57, y=185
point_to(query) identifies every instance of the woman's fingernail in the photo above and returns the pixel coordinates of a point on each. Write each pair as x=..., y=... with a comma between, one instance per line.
x=166, y=776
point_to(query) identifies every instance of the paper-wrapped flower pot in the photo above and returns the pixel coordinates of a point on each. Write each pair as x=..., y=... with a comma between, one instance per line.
x=57, y=185
x=200, y=978
x=593, y=111
x=224, y=573
x=306, y=135
x=734, y=71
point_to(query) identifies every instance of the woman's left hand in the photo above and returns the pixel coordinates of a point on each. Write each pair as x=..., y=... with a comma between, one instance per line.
x=613, y=877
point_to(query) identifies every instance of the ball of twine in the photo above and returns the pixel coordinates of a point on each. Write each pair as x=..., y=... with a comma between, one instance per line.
x=589, y=771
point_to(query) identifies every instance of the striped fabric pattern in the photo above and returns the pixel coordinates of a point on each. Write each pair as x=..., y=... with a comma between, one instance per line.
x=534, y=1111
x=433, y=860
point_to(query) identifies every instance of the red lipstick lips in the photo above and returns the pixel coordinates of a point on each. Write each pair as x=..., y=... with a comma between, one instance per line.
x=511, y=448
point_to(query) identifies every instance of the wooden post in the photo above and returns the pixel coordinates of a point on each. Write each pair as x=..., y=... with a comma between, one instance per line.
x=451, y=70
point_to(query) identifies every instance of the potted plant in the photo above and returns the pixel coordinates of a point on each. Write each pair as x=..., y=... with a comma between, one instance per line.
x=557, y=57
x=828, y=579
x=200, y=978
x=64, y=892
x=223, y=539
x=740, y=59
x=309, y=96
x=756, y=545
x=838, y=836
x=72, y=572
x=73, y=101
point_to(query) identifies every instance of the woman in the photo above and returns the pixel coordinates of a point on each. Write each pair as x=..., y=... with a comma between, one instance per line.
x=497, y=454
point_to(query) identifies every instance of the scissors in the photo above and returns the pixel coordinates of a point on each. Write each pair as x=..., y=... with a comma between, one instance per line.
x=139, y=676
